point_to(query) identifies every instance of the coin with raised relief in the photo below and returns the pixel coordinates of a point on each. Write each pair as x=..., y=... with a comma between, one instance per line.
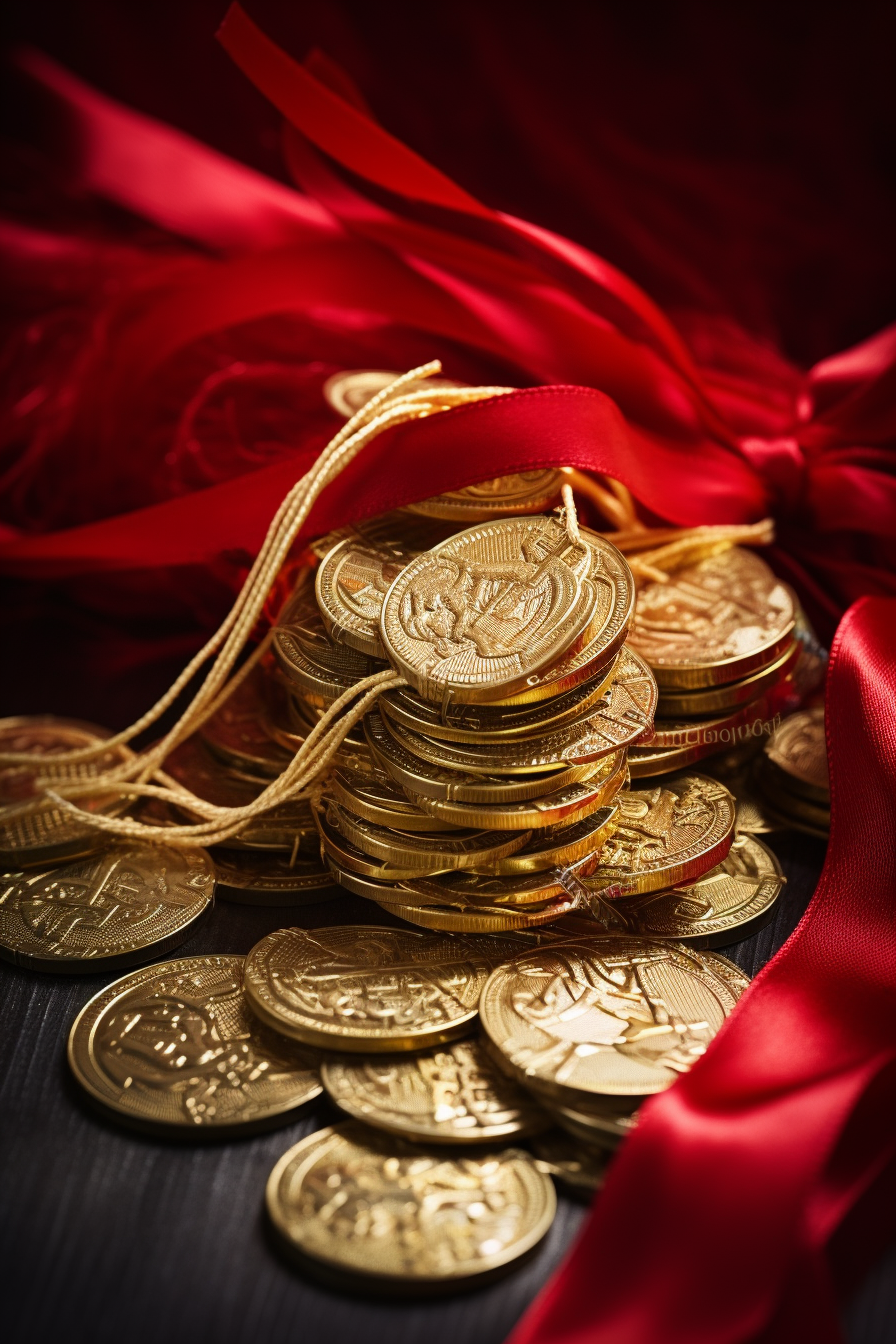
x=614, y=1016
x=713, y=622
x=666, y=835
x=442, y=850
x=253, y=878
x=800, y=750
x=46, y=834
x=707, y=701
x=173, y=1048
x=359, y=1205
x=360, y=987
x=479, y=615
x=351, y=582
x=378, y=798
x=127, y=904
x=449, y=1094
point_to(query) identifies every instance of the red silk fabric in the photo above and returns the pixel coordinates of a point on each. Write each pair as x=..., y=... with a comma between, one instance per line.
x=713, y=1225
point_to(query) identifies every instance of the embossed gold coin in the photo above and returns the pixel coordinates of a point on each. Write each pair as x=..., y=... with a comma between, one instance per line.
x=378, y=798
x=248, y=878
x=340, y=853
x=351, y=582
x=665, y=835
x=314, y=664
x=356, y=1201
x=127, y=904
x=237, y=735
x=48, y=835
x=559, y=846
x=449, y=1094
x=713, y=622
x=712, y=700
x=173, y=1047
x=502, y=497
x=799, y=749
x=615, y=1016
x=427, y=852
x=479, y=615
x=372, y=989
x=647, y=762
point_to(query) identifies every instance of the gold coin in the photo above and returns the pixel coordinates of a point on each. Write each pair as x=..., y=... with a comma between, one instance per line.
x=127, y=904
x=665, y=836
x=581, y=1170
x=376, y=889
x=489, y=723
x=599, y=1128
x=479, y=615
x=790, y=806
x=449, y=1094
x=730, y=902
x=337, y=849
x=716, y=621
x=800, y=750
x=503, y=497
x=396, y=529
x=711, y=700
x=359, y=1202
x=248, y=878
x=443, y=850
x=288, y=826
x=388, y=742
x=173, y=1047
x=624, y=715
x=48, y=835
x=558, y=846
x=292, y=729
x=615, y=1016
x=350, y=390
x=315, y=665
x=463, y=889
x=237, y=734
x=352, y=580
x=371, y=989
x=481, y=918
x=378, y=798
x=749, y=722
x=563, y=806
x=646, y=762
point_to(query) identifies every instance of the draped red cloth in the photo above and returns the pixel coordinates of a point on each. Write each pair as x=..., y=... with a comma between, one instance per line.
x=167, y=394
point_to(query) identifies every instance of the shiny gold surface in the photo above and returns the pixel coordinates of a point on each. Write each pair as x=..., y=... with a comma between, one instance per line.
x=253, y=878
x=442, y=850
x=237, y=735
x=711, y=700
x=559, y=846
x=502, y=497
x=351, y=582
x=799, y=749
x=378, y=798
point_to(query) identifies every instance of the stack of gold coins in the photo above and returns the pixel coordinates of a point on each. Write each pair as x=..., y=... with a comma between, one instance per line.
x=792, y=775
x=724, y=639
x=485, y=785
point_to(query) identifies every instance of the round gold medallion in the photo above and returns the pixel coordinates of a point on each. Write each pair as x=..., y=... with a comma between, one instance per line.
x=127, y=904
x=352, y=580
x=378, y=798
x=173, y=1047
x=360, y=987
x=427, y=852
x=449, y=1094
x=502, y=497
x=594, y=1126
x=614, y=1016
x=559, y=846
x=712, y=700
x=799, y=749
x=359, y=1202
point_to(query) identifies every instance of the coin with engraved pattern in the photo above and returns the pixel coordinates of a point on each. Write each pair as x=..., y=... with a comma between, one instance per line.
x=46, y=834
x=478, y=918
x=174, y=1048
x=558, y=846
x=479, y=615
x=378, y=798
x=666, y=835
x=351, y=582
x=502, y=497
x=127, y=904
x=253, y=878
x=449, y=1094
x=799, y=749
x=342, y=855
x=443, y=850
x=358, y=1204
x=616, y=1016
x=713, y=622
x=707, y=701
x=361, y=987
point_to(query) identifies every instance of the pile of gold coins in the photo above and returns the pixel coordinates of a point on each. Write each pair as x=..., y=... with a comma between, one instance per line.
x=523, y=806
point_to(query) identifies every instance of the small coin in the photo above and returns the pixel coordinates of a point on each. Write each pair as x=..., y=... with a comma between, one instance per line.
x=426, y=852
x=664, y=836
x=254, y=878
x=799, y=749
x=237, y=734
x=559, y=846
x=378, y=798
x=581, y=1170
x=502, y=497
x=611, y=1016
x=710, y=700
x=479, y=615
x=372, y=989
x=563, y=806
x=357, y=1201
x=127, y=904
x=713, y=622
x=351, y=389
x=352, y=580
x=449, y=1094
x=48, y=835
x=173, y=1047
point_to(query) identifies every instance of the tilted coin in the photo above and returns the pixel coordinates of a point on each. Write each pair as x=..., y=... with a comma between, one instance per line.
x=611, y=1016
x=449, y=1094
x=372, y=888
x=319, y=668
x=127, y=904
x=337, y=849
x=237, y=735
x=360, y=987
x=707, y=701
x=582, y=1170
x=713, y=622
x=398, y=528
x=464, y=889
x=378, y=798
x=800, y=750
x=48, y=835
x=599, y=1128
x=351, y=582
x=248, y=878
x=665, y=836
x=559, y=846
x=353, y=1200
x=563, y=806
x=351, y=389
x=477, y=616
x=647, y=762
x=428, y=852
x=291, y=730
x=504, y=496
x=173, y=1047
x=495, y=723
x=481, y=918
x=792, y=808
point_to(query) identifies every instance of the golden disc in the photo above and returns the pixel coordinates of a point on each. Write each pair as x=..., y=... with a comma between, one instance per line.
x=174, y=1048
x=351, y=389
x=253, y=878
x=352, y=580
x=596, y=1128
x=481, y=919
x=378, y=798
x=800, y=750
x=503, y=497
x=463, y=889
x=441, y=851
x=335, y=847
x=237, y=734
x=711, y=700
x=558, y=846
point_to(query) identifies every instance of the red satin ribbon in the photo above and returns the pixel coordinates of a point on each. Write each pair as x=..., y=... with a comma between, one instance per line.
x=713, y=1225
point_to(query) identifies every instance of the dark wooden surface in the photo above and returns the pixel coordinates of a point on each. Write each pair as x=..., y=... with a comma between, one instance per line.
x=106, y=1236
